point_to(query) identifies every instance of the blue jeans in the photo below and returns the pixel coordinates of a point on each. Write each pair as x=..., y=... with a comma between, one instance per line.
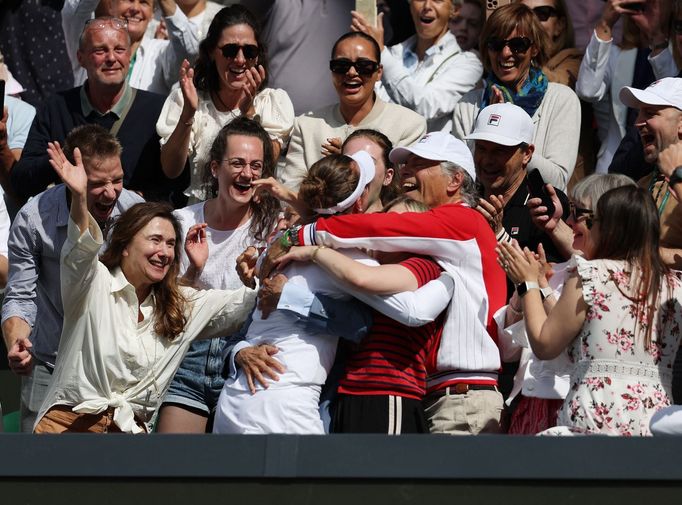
x=199, y=380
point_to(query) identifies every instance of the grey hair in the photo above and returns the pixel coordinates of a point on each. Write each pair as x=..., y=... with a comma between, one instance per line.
x=588, y=191
x=468, y=191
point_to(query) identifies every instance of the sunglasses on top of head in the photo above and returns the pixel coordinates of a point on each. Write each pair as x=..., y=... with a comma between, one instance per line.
x=250, y=51
x=544, y=12
x=517, y=45
x=362, y=66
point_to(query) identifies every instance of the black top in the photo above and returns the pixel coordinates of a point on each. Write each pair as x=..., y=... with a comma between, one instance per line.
x=519, y=225
x=141, y=150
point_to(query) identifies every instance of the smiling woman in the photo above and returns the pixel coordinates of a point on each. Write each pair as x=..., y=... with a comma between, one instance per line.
x=355, y=67
x=228, y=81
x=515, y=48
x=127, y=323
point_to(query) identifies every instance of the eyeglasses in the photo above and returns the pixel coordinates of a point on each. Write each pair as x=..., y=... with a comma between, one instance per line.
x=544, y=12
x=363, y=66
x=238, y=164
x=250, y=51
x=107, y=22
x=517, y=45
x=677, y=26
x=579, y=212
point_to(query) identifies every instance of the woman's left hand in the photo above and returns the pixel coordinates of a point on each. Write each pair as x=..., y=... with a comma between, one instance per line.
x=196, y=246
x=519, y=265
x=254, y=79
x=360, y=24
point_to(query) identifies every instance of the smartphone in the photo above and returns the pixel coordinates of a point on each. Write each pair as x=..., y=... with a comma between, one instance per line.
x=368, y=8
x=633, y=6
x=2, y=97
x=537, y=189
x=491, y=5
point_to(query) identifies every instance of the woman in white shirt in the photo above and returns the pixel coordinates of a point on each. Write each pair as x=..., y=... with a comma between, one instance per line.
x=229, y=80
x=127, y=322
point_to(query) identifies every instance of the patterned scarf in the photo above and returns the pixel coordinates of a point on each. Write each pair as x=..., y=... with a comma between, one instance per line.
x=529, y=98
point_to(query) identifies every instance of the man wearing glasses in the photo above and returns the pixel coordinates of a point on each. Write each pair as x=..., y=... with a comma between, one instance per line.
x=107, y=100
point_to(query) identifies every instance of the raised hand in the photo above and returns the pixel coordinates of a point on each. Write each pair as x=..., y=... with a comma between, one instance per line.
x=246, y=266
x=538, y=212
x=332, y=146
x=189, y=92
x=492, y=210
x=360, y=24
x=254, y=79
x=519, y=265
x=73, y=176
x=196, y=247
x=275, y=188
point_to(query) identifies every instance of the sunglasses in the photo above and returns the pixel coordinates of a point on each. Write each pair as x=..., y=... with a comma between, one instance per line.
x=517, y=45
x=579, y=212
x=677, y=26
x=363, y=66
x=544, y=12
x=250, y=51
x=108, y=22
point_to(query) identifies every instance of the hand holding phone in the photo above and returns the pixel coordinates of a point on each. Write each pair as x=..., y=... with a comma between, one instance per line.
x=537, y=189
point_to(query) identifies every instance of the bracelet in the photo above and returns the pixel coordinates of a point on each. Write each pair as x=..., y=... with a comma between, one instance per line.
x=314, y=255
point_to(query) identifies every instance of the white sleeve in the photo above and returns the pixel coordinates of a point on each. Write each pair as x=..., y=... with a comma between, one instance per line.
x=75, y=13
x=436, y=98
x=594, y=77
x=664, y=64
x=667, y=421
x=412, y=308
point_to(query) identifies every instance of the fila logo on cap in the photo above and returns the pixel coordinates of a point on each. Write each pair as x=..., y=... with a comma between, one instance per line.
x=494, y=119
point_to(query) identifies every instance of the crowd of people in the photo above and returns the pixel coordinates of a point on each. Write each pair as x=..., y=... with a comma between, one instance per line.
x=257, y=216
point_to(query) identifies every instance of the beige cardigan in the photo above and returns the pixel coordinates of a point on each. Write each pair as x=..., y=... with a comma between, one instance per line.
x=401, y=125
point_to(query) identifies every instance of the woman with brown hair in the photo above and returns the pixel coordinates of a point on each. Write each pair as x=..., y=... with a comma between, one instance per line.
x=127, y=322
x=618, y=315
x=514, y=49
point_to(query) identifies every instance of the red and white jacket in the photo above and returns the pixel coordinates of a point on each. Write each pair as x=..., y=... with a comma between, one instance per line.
x=461, y=241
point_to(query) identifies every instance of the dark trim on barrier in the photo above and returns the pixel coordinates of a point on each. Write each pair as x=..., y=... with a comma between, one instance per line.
x=415, y=457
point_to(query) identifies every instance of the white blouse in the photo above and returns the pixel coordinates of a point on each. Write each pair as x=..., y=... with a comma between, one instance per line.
x=108, y=359
x=272, y=105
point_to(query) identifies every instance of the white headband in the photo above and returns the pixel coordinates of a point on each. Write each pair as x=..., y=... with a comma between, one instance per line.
x=367, y=172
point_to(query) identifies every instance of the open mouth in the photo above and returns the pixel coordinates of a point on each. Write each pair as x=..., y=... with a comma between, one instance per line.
x=159, y=263
x=648, y=139
x=242, y=187
x=104, y=208
x=506, y=65
x=426, y=20
x=409, y=186
x=352, y=85
x=238, y=72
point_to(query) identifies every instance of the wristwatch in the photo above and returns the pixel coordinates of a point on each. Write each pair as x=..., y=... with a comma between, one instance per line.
x=675, y=177
x=546, y=292
x=525, y=286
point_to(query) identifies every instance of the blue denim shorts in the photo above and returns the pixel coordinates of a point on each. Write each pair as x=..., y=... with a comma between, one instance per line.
x=199, y=380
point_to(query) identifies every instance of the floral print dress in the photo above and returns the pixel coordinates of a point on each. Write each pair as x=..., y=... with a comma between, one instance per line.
x=617, y=384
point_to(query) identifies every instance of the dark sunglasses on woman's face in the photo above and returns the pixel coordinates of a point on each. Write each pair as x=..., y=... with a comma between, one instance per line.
x=363, y=66
x=517, y=45
x=579, y=212
x=231, y=50
x=677, y=26
x=544, y=12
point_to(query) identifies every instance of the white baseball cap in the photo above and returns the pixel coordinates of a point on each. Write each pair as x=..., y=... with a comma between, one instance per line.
x=665, y=92
x=503, y=123
x=437, y=146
